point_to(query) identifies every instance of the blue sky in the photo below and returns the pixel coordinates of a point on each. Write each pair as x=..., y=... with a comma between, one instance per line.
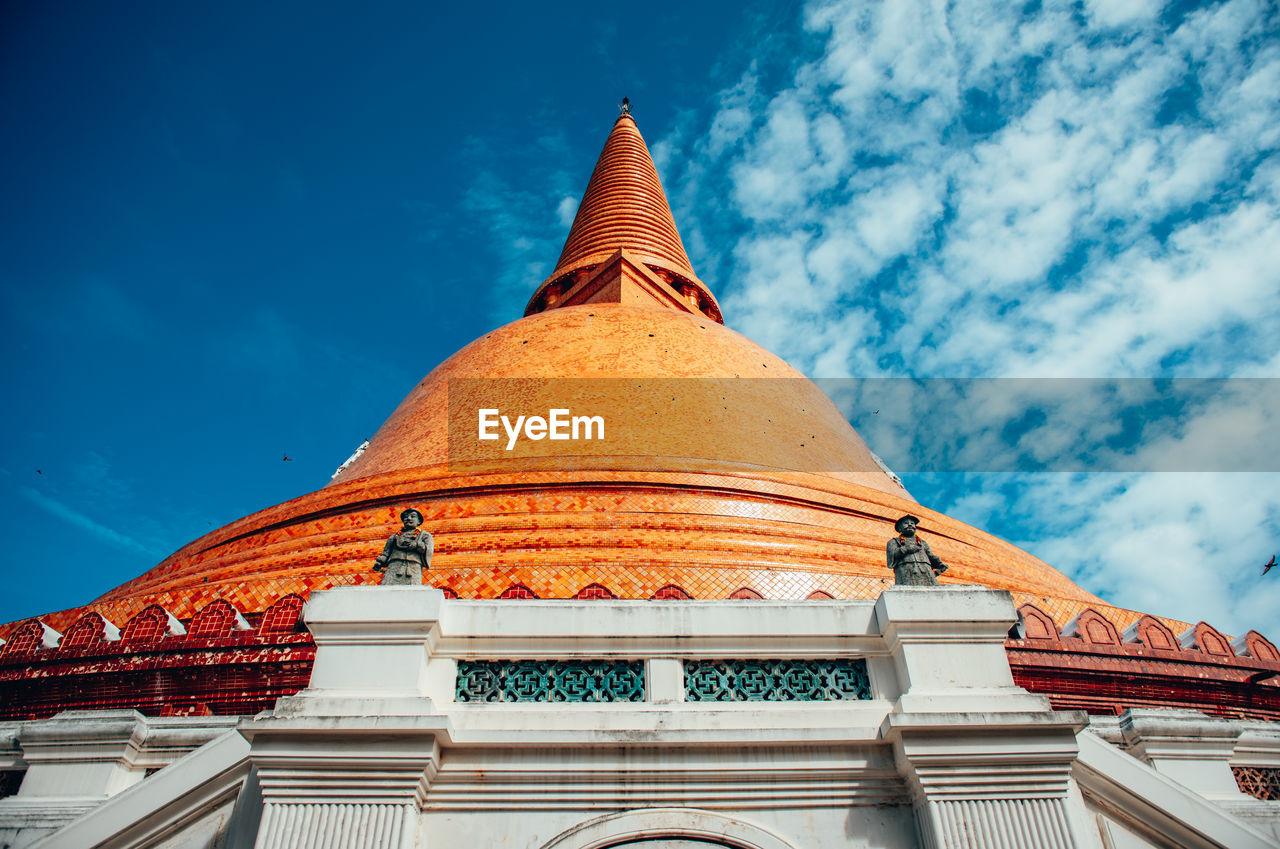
x=218, y=221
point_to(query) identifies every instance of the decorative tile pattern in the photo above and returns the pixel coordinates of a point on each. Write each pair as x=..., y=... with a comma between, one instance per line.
x=88, y=630
x=1260, y=647
x=24, y=639
x=775, y=680
x=216, y=619
x=149, y=626
x=283, y=616
x=554, y=531
x=550, y=681
x=237, y=675
x=594, y=591
x=1259, y=782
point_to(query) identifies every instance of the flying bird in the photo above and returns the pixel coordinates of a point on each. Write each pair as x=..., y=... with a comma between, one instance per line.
x=38, y=472
x=1267, y=566
x=287, y=459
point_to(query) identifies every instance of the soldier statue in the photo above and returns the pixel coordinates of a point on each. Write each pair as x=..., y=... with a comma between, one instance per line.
x=407, y=554
x=913, y=564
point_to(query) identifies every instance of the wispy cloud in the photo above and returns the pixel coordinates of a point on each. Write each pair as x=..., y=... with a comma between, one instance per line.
x=524, y=208
x=75, y=517
x=1047, y=195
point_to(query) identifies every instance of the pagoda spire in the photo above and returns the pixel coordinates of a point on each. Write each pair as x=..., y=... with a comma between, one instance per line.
x=623, y=246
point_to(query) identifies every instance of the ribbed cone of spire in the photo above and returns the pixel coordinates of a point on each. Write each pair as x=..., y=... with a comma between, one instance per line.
x=624, y=208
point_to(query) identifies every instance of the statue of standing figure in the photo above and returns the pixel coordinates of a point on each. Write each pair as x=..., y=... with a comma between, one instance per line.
x=913, y=564
x=407, y=554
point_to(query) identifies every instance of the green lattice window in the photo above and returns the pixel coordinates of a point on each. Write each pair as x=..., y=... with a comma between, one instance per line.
x=550, y=681
x=775, y=680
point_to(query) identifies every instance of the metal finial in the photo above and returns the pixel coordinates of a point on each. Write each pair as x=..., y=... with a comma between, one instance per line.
x=625, y=108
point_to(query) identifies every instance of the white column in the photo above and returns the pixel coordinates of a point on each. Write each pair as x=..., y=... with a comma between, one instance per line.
x=352, y=786
x=987, y=763
x=665, y=677
x=947, y=647
x=347, y=761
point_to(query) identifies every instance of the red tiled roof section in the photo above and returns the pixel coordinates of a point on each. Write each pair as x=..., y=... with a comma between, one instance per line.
x=624, y=207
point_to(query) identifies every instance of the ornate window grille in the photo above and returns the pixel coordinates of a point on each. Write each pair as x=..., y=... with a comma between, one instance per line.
x=775, y=680
x=1259, y=782
x=550, y=681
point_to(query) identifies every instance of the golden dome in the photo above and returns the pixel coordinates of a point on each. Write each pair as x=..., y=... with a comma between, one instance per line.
x=666, y=384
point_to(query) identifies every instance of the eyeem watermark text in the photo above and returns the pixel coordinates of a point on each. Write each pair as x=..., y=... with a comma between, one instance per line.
x=558, y=425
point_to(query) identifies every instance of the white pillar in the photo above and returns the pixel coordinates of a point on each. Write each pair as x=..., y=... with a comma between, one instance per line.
x=1191, y=748
x=987, y=763
x=83, y=755
x=347, y=761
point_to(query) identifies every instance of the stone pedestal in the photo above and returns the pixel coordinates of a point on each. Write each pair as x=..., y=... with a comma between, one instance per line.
x=86, y=755
x=1187, y=746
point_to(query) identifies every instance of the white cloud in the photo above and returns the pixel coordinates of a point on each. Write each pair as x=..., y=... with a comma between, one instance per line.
x=566, y=210
x=1111, y=13
x=525, y=235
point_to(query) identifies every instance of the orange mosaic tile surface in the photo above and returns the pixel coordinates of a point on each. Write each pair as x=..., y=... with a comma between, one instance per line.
x=633, y=531
x=736, y=402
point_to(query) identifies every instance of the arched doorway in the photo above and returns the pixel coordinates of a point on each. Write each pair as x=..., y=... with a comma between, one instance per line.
x=668, y=843
x=667, y=828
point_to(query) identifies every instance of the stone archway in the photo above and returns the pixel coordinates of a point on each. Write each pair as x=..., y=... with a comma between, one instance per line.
x=668, y=843
x=666, y=828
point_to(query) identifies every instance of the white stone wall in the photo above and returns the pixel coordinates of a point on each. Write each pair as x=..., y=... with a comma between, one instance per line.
x=378, y=752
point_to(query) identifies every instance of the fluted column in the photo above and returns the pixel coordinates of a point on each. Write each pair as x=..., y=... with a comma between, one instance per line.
x=354, y=787
x=984, y=781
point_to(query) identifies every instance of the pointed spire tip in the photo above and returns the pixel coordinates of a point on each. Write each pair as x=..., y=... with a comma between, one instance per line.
x=624, y=208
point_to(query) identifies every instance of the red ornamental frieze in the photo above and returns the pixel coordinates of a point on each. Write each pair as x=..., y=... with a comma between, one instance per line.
x=1253, y=644
x=1092, y=627
x=25, y=638
x=149, y=626
x=1152, y=633
x=1036, y=624
x=1206, y=638
x=1146, y=636
x=89, y=631
x=214, y=620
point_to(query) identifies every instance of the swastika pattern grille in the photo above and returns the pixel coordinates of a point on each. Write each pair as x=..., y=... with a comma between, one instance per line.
x=775, y=680
x=550, y=681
